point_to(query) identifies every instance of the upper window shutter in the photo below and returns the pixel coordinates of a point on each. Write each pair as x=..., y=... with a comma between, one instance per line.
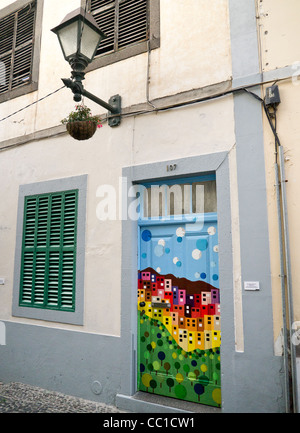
x=133, y=25
x=49, y=251
x=104, y=12
x=16, y=48
x=125, y=22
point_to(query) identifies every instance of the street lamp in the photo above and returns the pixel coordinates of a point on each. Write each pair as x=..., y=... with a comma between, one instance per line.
x=79, y=37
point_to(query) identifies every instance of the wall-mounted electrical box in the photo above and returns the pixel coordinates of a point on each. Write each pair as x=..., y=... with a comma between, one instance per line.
x=272, y=96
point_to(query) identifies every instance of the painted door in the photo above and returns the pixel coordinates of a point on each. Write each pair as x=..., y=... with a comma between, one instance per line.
x=179, y=328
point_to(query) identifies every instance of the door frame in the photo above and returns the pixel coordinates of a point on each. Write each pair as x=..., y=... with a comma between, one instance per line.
x=196, y=166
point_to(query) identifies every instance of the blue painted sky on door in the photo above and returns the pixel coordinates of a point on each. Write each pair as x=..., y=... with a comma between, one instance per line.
x=182, y=250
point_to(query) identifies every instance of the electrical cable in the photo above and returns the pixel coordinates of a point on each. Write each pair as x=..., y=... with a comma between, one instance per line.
x=33, y=103
x=268, y=115
x=207, y=98
x=181, y=104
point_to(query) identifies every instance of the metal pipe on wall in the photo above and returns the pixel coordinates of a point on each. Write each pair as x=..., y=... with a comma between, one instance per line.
x=288, y=276
x=285, y=268
x=282, y=279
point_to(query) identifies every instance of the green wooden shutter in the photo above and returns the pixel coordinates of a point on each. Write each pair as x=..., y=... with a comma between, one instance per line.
x=49, y=251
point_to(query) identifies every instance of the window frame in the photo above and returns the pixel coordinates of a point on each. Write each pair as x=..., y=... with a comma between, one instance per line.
x=166, y=202
x=53, y=315
x=33, y=84
x=135, y=49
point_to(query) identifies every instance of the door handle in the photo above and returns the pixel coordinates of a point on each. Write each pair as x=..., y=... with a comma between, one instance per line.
x=160, y=305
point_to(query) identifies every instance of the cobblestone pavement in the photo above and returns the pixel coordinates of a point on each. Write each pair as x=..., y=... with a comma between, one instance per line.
x=20, y=398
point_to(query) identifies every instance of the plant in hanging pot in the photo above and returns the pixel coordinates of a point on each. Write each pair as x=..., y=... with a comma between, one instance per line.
x=81, y=124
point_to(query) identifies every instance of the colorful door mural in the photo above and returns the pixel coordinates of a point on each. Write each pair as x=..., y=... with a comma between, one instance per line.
x=179, y=327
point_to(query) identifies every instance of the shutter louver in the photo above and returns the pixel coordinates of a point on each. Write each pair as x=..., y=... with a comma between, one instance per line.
x=53, y=279
x=39, y=283
x=132, y=22
x=7, y=34
x=106, y=21
x=96, y=4
x=49, y=251
x=5, y=72
x=67, y=280
x=25, y=26
x=27, y=278
x=43, y=208
x=55, y=225
x=22, y=67
x=69, y=220
x=30, y=223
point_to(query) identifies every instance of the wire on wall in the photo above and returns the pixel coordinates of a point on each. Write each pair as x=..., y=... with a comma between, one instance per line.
x=178, y=105
x=33, y=103
x=269, y=115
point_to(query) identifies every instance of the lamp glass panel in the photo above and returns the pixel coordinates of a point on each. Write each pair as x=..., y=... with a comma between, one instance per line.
x=89, y=42
x=68, y=39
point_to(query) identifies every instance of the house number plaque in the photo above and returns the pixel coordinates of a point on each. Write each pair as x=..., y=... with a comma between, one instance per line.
x=171, y=167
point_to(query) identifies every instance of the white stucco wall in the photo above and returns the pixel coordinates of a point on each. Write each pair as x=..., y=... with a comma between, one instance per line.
x=194, y=52
x=173, y=134
x=279, y=33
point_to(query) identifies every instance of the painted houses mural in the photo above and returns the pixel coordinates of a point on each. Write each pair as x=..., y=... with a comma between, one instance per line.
x=179, y=318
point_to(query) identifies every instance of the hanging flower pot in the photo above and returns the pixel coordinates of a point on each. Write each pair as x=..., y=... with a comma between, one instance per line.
x=81, y=129
x=80, y=124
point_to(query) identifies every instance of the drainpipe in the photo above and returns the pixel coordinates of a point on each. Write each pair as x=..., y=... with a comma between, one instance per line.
x=282, y=279
x=288, y=276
